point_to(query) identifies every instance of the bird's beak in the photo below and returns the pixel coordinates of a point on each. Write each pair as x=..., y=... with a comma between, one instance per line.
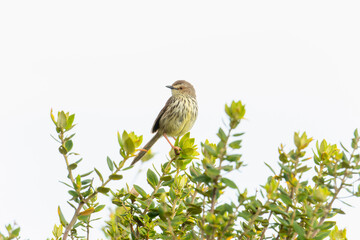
x=171, y=87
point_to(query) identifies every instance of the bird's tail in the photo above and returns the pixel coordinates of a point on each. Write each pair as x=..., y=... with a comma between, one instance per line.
x=146, y=147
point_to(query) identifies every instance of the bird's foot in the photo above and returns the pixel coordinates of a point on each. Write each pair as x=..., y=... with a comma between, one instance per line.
x=177, y=150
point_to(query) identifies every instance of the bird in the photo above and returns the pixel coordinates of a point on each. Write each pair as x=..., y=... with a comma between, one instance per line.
x=176, y=118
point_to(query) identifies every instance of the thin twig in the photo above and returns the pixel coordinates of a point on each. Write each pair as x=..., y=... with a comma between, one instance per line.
x=337, y=191
x=159, y=183
x=73, y=220
x=84, y=201
x=264, y=230
x=221, y=158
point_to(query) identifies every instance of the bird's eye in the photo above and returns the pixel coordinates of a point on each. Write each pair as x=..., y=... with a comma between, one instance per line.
x=180, y=88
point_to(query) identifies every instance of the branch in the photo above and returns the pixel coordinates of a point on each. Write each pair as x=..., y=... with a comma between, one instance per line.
x=73, y=220
x=337, y=191
x=264, y=230
x=221, y=158
x=86, y=200
x=168, y=166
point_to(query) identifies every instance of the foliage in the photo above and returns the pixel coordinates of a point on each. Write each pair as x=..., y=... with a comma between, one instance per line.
x=12, y=232
x=186, y=202
x=83, y=192
x=193, y=197
x=189, y=199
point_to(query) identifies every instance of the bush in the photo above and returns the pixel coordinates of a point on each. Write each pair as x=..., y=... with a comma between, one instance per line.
x=188, y=200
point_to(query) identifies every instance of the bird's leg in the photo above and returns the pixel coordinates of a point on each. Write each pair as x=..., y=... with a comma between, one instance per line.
x=142, y=150
x=176, y=149
x=174, y=138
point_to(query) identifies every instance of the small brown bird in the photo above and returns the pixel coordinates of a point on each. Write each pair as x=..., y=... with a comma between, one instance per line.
x=177, y=116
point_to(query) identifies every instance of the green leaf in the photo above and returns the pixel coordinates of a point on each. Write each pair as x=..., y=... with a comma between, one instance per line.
x=238, y=134
x=99, y=208
x=110, y=164
x=168, y=183
x=66, y=184
x=194, y=171
x=61, y=120
x=321, y=194
x=103, y=190
x=323, y=234
x=194, y=210
x=72, y=166
x=212, y=172
x=210, y=150
x=78, y=161
x=221, y=134
x=57, y=232
x=337, y=210
x=120, y=140
x=68, y=145
x=224, y=208
x=272, y=170
x=299, y=230
x=70, y=137
x=78, y=182
x=86, y=181
x=62, y=150
x=220, y=147
x=303, y=169
x=184, y=139
x=354, y=143
x=62, y=218
x=277, y=209
x=140, y=191
x=159, y=192
x=15, y=232
x=283, y=158
x=128, y=143
x=116, y=177
x=327, y=225
x=235, y=144
x=297, y=139
x=344, y=147
x=228, y=183
x=129, y=146
x=177, y=220
x=86, y=174
x=172, y=194
x=227, y=110
x=227, y=168
x=285, y=168
x=233, y=158
x=153, y=214
x=166, y=178
x=99, y=174
x=187, y=152
x=286, y=199
x=337, y=234
x=152, y=178
x=70, y=121
x=202, y=178
x=127, y=168
x=73, y=193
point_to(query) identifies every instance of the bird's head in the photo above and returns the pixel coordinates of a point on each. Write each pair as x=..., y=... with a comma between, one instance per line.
x=182, y=87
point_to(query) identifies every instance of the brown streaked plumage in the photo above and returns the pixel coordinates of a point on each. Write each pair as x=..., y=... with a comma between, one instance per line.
x=177, y=116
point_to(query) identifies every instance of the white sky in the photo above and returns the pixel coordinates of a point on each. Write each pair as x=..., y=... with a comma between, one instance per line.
x=294, y=64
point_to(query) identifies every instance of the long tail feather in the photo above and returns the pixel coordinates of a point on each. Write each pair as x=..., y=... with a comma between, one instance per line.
x=147, y=147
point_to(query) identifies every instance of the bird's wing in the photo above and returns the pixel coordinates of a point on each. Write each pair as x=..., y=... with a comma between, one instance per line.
x=161, y=113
